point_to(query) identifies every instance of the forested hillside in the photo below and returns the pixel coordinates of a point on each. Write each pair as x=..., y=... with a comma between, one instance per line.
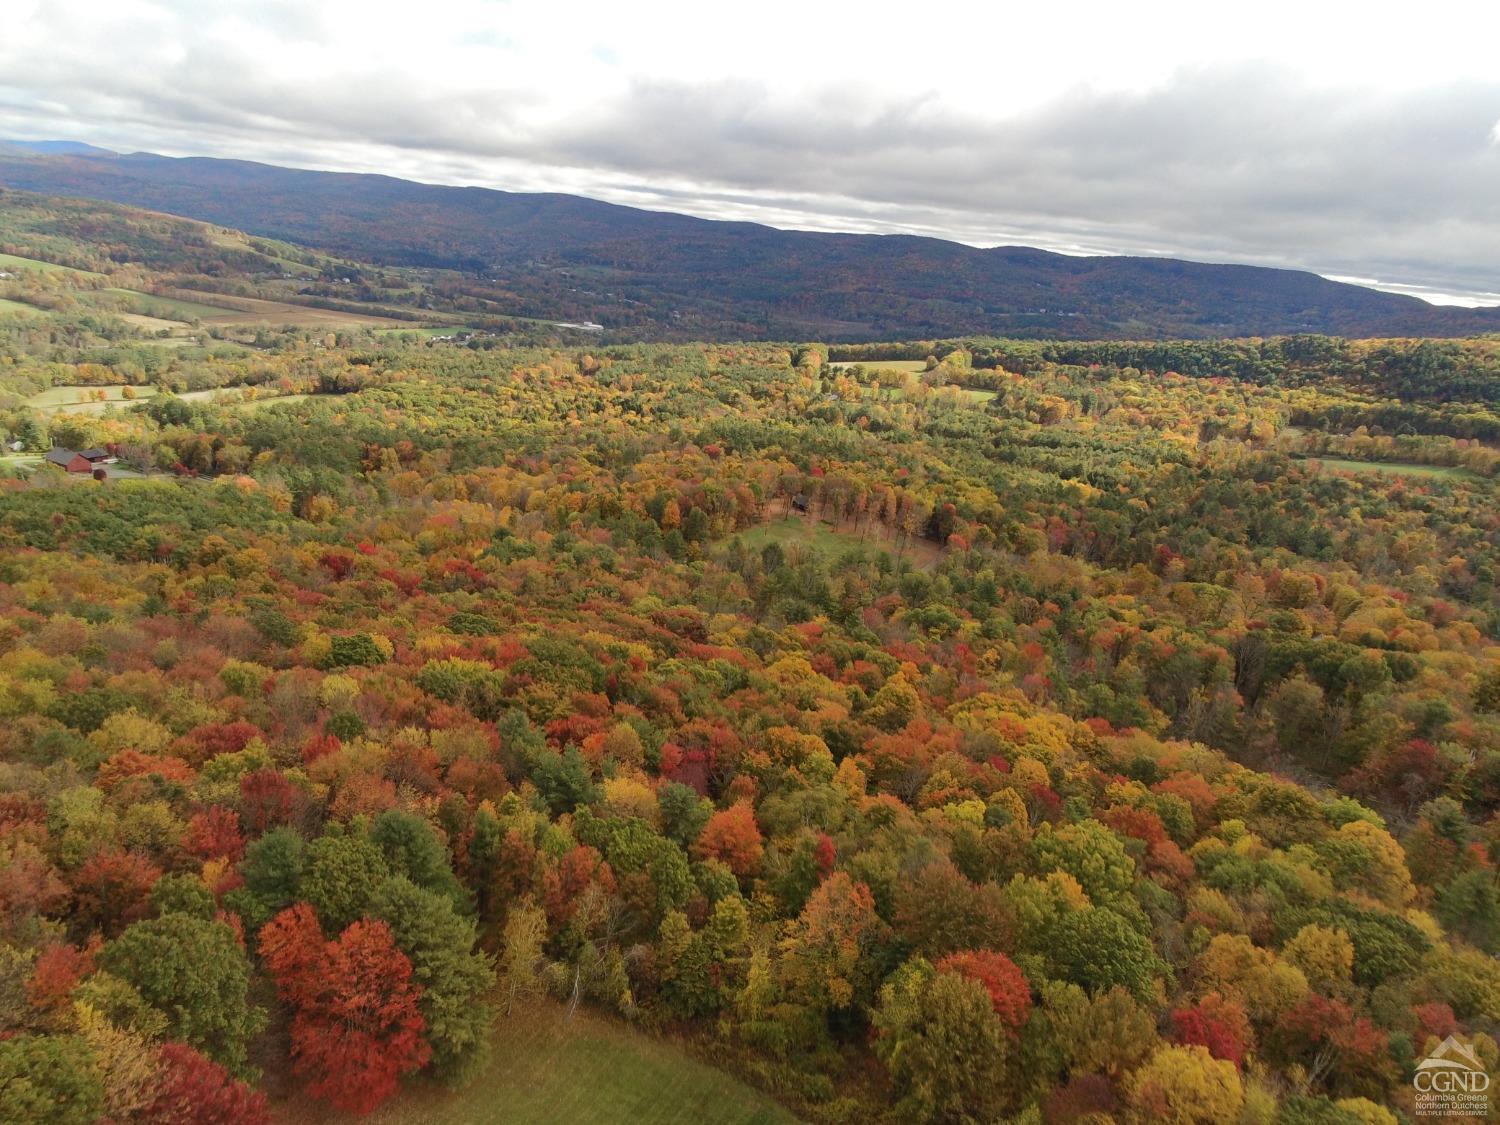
x=655, y=275
x=971, y=730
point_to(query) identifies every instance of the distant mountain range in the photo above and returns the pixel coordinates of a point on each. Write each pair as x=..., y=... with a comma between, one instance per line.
x=662, y=275
x=55, y=148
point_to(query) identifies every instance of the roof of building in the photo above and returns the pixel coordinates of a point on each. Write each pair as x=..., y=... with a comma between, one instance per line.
x=60, y=456
x=94, y=454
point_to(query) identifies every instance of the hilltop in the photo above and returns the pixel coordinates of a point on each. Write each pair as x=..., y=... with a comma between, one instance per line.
x=656, y=275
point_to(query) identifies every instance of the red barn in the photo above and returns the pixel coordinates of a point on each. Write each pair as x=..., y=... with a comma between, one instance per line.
x=70, y=461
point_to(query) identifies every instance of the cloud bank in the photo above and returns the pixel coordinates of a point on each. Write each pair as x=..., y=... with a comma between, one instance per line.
x=1354, y=169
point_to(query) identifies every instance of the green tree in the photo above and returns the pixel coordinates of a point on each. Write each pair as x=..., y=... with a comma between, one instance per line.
x=683, y=958
x=1098, y=949
x=49, y=1080
x=196, y=974
x=412, y=848
x=440, y=942
x=343, y=874
x=272, y=869
x=1091, y=853
x=943, y=1044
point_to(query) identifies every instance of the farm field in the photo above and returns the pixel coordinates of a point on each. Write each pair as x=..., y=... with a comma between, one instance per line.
x=153, y=323
x=168, y=308
x=254, y=310
x=428, y=333
x=545, y=1067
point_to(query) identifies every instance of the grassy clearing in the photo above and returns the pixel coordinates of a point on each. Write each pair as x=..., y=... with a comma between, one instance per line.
x=81, y=400
x=976, y=396
x=7, y=306
x=253, y=310
x=546, y=1068
x=817, y=535
x=12, y=261
x=796, y=530
x=883, y=364
x=429, y=333
x=1395, y=468
x=152, y=323
x=167, y=308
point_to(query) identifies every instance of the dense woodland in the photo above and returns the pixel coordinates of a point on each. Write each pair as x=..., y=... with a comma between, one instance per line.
x=1054, y=732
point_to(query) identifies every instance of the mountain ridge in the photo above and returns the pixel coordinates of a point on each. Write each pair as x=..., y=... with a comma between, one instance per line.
x=662, y=274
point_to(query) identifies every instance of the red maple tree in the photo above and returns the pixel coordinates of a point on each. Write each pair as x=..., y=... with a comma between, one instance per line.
x=356, y=1027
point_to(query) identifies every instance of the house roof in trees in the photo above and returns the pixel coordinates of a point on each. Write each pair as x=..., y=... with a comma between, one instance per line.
x=73, y=462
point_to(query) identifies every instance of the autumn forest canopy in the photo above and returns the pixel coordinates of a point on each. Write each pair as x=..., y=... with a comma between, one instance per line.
x=968, y=729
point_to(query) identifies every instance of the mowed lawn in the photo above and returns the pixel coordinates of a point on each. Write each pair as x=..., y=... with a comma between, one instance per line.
x=548, y=1069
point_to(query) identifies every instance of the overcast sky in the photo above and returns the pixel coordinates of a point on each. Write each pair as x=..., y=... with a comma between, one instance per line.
x=1360, y=140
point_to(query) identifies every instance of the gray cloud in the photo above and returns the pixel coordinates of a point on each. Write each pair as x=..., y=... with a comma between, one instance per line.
x=1248, y=164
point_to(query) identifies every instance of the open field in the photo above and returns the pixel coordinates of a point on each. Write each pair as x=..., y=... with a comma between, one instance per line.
x=545, y=1067
x=440, y=330
x=1397, y=468
x=796, y=530
x=20, y=307
x=168, y=308
x=175, y=311
x=12, y=261
x=80, y=400
x=882, y=364
x=253, y=310
x=152, y=323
